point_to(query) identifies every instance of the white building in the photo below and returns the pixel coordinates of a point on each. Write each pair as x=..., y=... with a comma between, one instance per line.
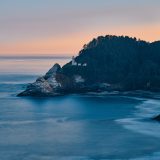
x=79, y=64
x=74, y=63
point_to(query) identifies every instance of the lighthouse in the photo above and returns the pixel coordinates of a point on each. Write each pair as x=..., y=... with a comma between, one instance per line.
x=74, y=63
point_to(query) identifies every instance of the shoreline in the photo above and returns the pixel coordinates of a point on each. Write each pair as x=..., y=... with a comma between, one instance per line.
x=136, y=94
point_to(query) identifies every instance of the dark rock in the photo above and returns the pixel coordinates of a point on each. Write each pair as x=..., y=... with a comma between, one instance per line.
x=55, y=69
x=157, y=118
x=40, y=87
x=44, y=86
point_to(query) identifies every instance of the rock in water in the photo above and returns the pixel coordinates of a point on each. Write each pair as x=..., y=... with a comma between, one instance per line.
x=44, y=86
x=157, y=118
x=38, y=88
x=55, y=69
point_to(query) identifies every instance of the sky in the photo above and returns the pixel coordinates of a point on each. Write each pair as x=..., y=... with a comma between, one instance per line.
x=62, y=27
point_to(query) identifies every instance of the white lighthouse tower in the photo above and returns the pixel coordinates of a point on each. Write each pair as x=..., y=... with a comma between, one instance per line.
x=74, y=63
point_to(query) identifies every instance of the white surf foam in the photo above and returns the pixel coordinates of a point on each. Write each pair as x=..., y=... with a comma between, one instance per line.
x=140, y=121
x=154, y=156
x=29, y=122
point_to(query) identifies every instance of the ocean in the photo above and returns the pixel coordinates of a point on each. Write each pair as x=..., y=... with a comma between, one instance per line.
x=71, y=127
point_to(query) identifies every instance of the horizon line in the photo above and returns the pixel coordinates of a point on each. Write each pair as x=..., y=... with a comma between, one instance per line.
x=37, y=55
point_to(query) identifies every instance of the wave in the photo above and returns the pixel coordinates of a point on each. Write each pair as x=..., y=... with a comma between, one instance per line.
x=148, y=109
x=11, y=85
x=154, y=156
x=29, y=122
x=140, y=121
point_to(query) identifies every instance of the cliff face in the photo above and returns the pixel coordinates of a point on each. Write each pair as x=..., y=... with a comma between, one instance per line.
x=106, y=63
x=46, y=85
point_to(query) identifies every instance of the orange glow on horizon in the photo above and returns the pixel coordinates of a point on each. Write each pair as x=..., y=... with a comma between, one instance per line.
x=72, y=44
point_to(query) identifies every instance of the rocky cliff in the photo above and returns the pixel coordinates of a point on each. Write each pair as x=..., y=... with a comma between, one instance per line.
x=105, y=63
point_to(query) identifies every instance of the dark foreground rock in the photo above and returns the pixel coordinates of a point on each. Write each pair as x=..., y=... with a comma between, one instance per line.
x=157, y=118
x=107, y=63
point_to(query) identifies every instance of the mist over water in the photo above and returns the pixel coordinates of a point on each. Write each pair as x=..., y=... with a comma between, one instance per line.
x=29, y=65
x=73, y=127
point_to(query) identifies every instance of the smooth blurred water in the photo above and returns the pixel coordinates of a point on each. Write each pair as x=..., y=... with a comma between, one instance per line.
x=73, y=127
x=29, y=65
